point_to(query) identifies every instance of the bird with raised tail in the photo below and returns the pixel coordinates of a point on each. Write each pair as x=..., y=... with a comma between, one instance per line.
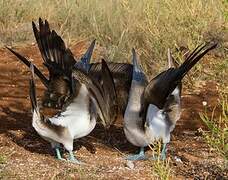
x=78, y=118
x=154, y=107
x=60, y=61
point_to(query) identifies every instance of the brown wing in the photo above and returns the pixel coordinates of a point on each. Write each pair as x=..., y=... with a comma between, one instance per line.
x=58, y=59
x=122, y=75
x=26, y=61
x=163, y=84
x=102, y=91
x=109, y=95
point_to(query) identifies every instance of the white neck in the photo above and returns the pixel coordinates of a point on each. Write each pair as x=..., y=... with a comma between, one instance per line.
x=134, y=102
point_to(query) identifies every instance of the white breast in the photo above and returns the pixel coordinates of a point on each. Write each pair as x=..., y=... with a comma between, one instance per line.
x=157, y=127
x=76, y=117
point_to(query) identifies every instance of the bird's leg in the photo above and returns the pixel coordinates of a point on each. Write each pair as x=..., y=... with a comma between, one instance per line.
x=72, y=158
x=58, y=154
x=56, y=146
x=163, y=153
x=139, y=156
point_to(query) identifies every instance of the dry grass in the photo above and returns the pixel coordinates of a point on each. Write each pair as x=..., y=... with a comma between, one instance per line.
x=150, y=26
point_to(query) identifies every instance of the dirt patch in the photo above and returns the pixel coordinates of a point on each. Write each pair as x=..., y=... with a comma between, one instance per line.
x=27, y=156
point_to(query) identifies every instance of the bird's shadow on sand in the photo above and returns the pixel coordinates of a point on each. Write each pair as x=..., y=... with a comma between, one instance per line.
x=17, y=126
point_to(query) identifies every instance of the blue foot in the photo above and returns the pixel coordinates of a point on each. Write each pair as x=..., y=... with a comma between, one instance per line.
x=73, y=159
x=137, y=157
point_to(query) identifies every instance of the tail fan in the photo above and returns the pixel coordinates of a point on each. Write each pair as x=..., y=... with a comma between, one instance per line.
x=43, y=79
x=32, y=91
x=84, y=63
x=138, y=73
x=56, y=56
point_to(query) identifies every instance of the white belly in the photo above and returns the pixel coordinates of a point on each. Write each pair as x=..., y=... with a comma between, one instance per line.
x=157, y=128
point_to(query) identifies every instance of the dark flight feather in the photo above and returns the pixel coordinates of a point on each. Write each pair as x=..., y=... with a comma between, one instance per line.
x=43, y=79
x=102, y=91
x=160, y=87
x=122, y=76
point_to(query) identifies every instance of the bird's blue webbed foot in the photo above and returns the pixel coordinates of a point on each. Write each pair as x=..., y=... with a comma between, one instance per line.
x=136, y=157
x=73, y=159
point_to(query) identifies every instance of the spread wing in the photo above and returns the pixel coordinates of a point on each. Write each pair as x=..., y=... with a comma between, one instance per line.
x=57, y=58
x=103, y=92
x=28, y=63
x=160, y=87
x=122, y=75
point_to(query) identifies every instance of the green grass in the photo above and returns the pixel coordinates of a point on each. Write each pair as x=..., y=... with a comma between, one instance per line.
x=2, y=159
x=150, y=26
x=160, y=168
x=3, y=173
x=217, y=136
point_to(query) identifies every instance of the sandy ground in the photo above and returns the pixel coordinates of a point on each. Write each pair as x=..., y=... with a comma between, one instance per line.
x=27, y=156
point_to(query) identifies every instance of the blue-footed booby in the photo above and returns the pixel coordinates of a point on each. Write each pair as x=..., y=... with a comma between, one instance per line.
x=154, y=107
x=60, y=61
x=89, y=101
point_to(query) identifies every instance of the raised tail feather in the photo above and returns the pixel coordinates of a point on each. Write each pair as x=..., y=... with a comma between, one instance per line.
x=160, y=87
x=171, y=60
x=194, y=57
x=43, y=79
x=32, y=90
x=56, y=56
x=84, y=63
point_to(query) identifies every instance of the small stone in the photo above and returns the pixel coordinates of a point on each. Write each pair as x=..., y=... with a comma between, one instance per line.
x=177, y=159
x=204, y=103
x=130, y=165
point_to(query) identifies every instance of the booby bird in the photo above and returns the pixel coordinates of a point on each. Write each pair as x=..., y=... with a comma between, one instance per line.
x=78, y=119
x=153, y=108
x=59, y=61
